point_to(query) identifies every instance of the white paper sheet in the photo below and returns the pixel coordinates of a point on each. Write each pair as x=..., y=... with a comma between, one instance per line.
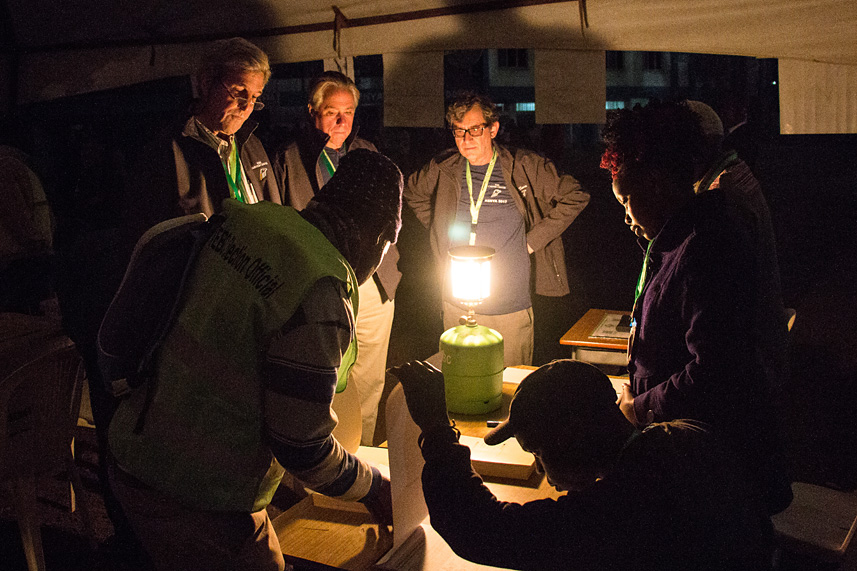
x=406, y=468
x=515, y=375
x=416, y=546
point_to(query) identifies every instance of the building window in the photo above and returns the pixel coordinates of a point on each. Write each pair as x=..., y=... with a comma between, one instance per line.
x=615, y=60
x=615, y=105
x=513, y=58
x=525, y=106
x=653, y=61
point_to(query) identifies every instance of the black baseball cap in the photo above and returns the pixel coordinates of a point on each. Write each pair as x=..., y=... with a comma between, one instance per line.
x=562, y=396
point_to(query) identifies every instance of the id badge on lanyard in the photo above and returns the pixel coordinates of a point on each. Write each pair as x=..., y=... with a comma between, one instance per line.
x=475, y=206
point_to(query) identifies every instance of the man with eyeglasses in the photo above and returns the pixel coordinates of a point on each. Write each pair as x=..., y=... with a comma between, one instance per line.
x=302, y=167
x=244, y=380
x=212, y=155
x=512, y=200
x=190, y=167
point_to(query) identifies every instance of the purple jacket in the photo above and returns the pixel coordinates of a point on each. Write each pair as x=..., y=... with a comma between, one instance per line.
x=694, y=354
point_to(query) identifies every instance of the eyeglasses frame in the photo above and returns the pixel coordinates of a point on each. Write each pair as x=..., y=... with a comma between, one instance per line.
x=242, y=102
x=469, y=131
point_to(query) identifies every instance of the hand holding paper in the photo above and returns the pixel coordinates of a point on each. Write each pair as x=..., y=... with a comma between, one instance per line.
x=424, y=393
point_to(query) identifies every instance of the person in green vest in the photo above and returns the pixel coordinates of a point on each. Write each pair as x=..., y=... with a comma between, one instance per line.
x=301, y=168
x=244, y=381
x=190, y=165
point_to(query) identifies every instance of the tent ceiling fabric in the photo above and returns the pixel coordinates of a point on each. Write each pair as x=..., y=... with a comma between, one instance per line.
x=75, y=46
x=817, y=97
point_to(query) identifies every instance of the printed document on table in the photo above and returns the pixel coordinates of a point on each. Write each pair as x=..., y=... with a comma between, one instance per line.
x=607, y=328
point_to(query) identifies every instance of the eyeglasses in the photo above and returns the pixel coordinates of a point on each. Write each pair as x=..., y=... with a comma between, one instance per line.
x=476, y=131
x=243, y=102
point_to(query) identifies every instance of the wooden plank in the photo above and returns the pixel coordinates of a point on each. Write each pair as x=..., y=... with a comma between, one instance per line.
x=332, y=533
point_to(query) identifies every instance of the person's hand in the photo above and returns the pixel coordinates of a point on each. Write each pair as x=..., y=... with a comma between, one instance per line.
x=380, y=504
x=424, y=393
x=626, y=404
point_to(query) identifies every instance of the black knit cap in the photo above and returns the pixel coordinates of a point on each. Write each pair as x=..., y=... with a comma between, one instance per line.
x=560, y=397
x=367, y=186
x=359, y=210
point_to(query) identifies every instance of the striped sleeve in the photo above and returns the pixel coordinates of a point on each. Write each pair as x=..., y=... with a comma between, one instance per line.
x=299, y=376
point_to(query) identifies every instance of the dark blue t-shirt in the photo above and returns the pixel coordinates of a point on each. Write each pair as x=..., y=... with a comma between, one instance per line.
x=500, y=226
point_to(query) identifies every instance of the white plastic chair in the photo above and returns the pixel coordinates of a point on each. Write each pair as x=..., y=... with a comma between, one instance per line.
x=39, y=405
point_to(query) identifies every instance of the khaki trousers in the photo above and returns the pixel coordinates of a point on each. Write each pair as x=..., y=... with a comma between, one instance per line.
x=374, y=322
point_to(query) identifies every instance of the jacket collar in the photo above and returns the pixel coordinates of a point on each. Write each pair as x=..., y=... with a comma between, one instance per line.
x=318, y=138
x=191, y=129
x=452, y=162
x=719, y=165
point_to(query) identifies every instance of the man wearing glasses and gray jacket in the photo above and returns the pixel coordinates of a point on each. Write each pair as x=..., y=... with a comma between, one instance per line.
x=512, y=200
x=193, y=165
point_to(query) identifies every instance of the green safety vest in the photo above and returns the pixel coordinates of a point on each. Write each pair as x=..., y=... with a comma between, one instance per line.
x=202, y=442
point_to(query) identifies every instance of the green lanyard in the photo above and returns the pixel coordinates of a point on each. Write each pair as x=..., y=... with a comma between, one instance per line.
x=641, y=281
x=234, y=179
x=474, y=207
x=328, y=164
x=725, y=161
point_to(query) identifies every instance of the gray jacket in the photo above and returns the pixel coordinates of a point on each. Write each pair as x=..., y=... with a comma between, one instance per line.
x=547, y=200
x=178, y=174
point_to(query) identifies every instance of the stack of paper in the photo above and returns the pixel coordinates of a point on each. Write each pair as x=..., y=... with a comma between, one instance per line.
x=609, y=328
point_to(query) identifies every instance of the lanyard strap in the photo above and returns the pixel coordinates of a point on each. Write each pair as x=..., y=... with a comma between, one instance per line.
x=234, y=178
x=475, y=206
x=641, y=282
x=725, y=161
x=328, y=164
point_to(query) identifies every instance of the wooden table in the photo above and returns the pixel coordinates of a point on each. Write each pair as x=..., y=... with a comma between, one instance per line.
x=321, y=533
x=601, y=350
x=324, y=534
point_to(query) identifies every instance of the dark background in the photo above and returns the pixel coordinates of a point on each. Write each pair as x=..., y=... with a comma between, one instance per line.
x=82, y=148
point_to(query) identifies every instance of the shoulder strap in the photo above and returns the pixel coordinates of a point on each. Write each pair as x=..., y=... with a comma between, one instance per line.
x=200, y=235
x=145, y=370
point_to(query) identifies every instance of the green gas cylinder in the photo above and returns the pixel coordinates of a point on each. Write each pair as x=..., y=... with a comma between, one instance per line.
x=472, y=368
